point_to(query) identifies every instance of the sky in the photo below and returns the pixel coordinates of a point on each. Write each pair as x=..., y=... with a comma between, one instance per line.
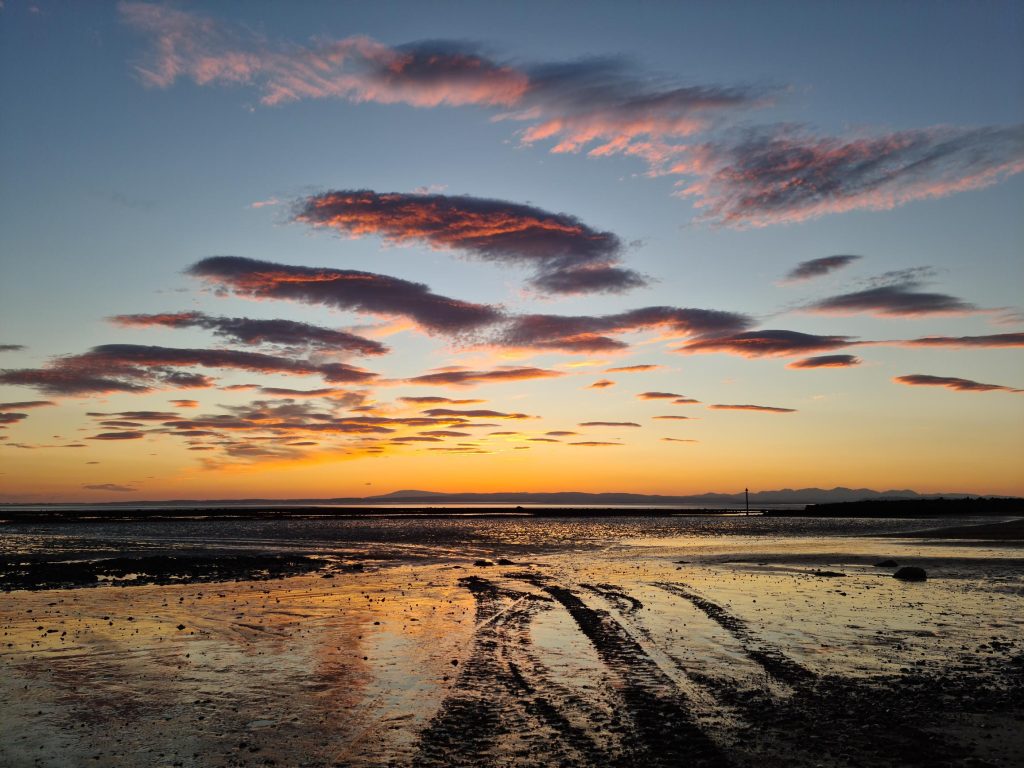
x=302, y=250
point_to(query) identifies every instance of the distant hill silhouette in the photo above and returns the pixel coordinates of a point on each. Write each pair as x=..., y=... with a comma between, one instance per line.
x=784, y=496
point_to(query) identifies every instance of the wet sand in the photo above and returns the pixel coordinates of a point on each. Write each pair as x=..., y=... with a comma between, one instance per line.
x=648, y=652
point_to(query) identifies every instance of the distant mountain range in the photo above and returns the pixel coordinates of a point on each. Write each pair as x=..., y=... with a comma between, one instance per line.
x=786, y=496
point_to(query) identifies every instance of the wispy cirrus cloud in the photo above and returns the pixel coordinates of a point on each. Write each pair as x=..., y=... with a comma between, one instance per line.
x=782, y=174
x=826, y=361
x=767, y=343
x=242, y=330
x=952, y=382
x=594, y=333
x=609, y=424
x=567, y=256
x=11, y=347
x=345, y=289
x=465, y=378
x=605, y=104
x=806, y=270
x=758, y=408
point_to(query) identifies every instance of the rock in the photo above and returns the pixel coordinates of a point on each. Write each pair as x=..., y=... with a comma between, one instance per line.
x=504, y=561
x=887, y=564
x=482, y=563
x=911, y=573
x=181, y=627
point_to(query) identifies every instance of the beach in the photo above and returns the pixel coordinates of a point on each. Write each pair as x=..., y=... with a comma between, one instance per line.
x=521, y=642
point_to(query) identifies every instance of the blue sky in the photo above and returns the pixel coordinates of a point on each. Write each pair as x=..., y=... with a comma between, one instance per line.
x=114, y=184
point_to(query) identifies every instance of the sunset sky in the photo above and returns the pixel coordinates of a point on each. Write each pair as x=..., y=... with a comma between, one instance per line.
x=329, y=249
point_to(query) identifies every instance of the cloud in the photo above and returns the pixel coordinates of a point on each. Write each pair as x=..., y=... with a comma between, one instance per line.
x=951, y=382
x=426, y=74
x=437, y=400
x=25, y=404
x=573, y=104
x=566, y=254
x=184, y=403
x=992, y=340
x=601, y=384
x=465, y=378
x=243, y=330
x=767, y=343
x=592, y=333
x=678, y=440
x=609, y=424
x=344, y=289
x=11, y=418
x=659, y=396
x=826, y=361
x=560, y=433
x=893, y=301
x=777, y=175
x=137, y=368
x=136, y=415
x=761, y=408
x=110, y=487
x=126, y=435
x=604, y=106
x=11, y=347
x=475, y=414
x=594, y=443
x=806, y=270
x=673, y=418
x=633, y=368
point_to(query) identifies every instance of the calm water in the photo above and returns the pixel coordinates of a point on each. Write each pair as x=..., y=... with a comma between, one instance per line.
x=391, y=538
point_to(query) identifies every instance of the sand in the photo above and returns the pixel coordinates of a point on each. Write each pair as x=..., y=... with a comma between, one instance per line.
x=660, y=652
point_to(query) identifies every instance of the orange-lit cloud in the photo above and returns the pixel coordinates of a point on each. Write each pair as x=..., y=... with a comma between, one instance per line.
x=759, y=408
x=633, y=368
x=592, y=333
x=678, y=440
x=601, y=384
x=184, y=403
x=951, y=382
x=594, y=443
x=609, y=424
x=673, y=418
x=567, y=255
x=826, y=361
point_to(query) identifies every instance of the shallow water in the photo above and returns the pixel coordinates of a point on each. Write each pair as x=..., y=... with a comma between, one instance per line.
x=626, y=641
